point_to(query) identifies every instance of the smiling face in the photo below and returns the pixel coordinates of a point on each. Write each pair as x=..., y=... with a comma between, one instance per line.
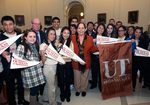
x=56, y=24
x=81, y=29
x=9, y=27
x=51, y=35
x=31, y=37
x=130, y=31
x=66, y=34
x=36, y=25
x=100, y=30
x=121, y=32
x=137, y=34
x=109, y=29
x=73, y=30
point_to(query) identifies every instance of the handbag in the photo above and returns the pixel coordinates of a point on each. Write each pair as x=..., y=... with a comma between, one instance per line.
x=3, y=96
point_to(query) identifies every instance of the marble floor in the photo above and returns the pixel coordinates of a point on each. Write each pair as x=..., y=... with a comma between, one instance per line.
x=141, y=97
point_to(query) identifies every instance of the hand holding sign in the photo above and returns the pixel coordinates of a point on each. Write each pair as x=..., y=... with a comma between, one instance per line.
x=66, y=51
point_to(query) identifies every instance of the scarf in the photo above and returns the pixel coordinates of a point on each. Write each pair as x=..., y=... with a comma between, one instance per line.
x=33, y=48
x=81, y=52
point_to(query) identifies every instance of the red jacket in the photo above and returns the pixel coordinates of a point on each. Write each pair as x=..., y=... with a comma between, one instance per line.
x=89, y=47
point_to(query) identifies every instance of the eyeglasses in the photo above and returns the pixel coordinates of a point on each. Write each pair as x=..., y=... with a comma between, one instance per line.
x=74, y=21
x=120, y=30
x=36, y=23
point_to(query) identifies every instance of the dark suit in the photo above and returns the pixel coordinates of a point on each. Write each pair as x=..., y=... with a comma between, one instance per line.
x=42, y=36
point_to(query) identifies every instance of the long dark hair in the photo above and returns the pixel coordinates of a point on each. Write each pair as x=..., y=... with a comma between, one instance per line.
x=128, y=30
x=27, y=47
x=141, y=37
x=113, y=33
x=46, y=37
x=103, y=34
x=61, y=39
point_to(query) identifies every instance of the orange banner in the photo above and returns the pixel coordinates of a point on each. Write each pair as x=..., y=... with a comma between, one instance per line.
x=116, y=69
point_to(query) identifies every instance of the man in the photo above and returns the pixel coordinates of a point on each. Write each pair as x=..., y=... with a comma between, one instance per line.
x=112, y=21
x=74, y=20
x=118, y=24
x=56, y=24
x=101, y=19
x=90, y=28
x=82, y=21
x=9, y=74
x=36, y=25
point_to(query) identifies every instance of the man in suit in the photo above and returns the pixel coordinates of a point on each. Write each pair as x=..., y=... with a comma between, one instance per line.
x=36, y=24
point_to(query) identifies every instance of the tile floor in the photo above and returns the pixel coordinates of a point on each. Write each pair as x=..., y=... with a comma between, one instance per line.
x=141, y=97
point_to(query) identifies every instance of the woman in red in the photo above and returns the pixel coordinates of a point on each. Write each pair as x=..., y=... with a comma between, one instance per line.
x=83, y=45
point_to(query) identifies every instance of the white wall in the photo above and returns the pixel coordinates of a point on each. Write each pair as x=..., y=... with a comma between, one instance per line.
x=117, y=9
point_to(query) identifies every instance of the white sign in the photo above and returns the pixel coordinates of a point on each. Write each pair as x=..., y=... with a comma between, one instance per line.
x=142, y=52
x=17, y=62
x=101, y=39
x=53, y=54
x=66, y=51
x=6, y=43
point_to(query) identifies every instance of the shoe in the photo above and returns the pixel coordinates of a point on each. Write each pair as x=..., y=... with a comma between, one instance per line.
x=68, y=99
x=62, y=99
x=24, y=102
x=92, y=87
x=83, y=94
x=77, y=93
x=90, y=81
x=59, y=103
x=144, y=86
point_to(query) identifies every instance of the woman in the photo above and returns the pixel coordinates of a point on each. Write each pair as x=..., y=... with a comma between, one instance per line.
x=65, y=69
x=29, y=50
x=49, y=68
x=130, y=32
x=138, y=62
x=83, y=45
x=73, y=29
x=111, y=31
x=95, y=26
x=95, y=67
x=122, y=37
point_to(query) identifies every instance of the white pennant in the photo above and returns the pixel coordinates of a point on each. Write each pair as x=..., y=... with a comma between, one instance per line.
x=142, y=52
x=66, y=51
x=17, y=62
x=53, y=54
x=101, y=39
x=6, y=43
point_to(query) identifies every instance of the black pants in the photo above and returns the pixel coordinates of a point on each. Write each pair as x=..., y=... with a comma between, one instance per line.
x=34, y=90
x=64, y=73
x=10, y=77
x=95, y=71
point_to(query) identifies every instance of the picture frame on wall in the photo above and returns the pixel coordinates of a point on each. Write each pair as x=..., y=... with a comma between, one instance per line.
x=48, y=20
x=101, y=18
x=133, y=17
x=19, y=19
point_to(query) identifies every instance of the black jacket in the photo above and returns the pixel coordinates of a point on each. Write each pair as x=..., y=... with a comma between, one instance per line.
x=4, y=61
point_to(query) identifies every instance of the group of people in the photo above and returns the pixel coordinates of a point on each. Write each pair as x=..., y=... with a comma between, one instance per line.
x=79, y=38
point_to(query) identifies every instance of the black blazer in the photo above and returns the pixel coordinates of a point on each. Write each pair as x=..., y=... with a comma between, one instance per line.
x=4, y=61
x=42, y=36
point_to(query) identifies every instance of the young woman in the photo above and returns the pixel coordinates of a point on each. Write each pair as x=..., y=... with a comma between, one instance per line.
x=95, y=67
x=138, y=62
x=73, y=29
x=65, y=69
x=49, y=68
x=130, y=32
x=32, y=76
x=110, y=31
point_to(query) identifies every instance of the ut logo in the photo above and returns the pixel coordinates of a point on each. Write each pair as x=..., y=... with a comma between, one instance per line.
x=122, y=64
